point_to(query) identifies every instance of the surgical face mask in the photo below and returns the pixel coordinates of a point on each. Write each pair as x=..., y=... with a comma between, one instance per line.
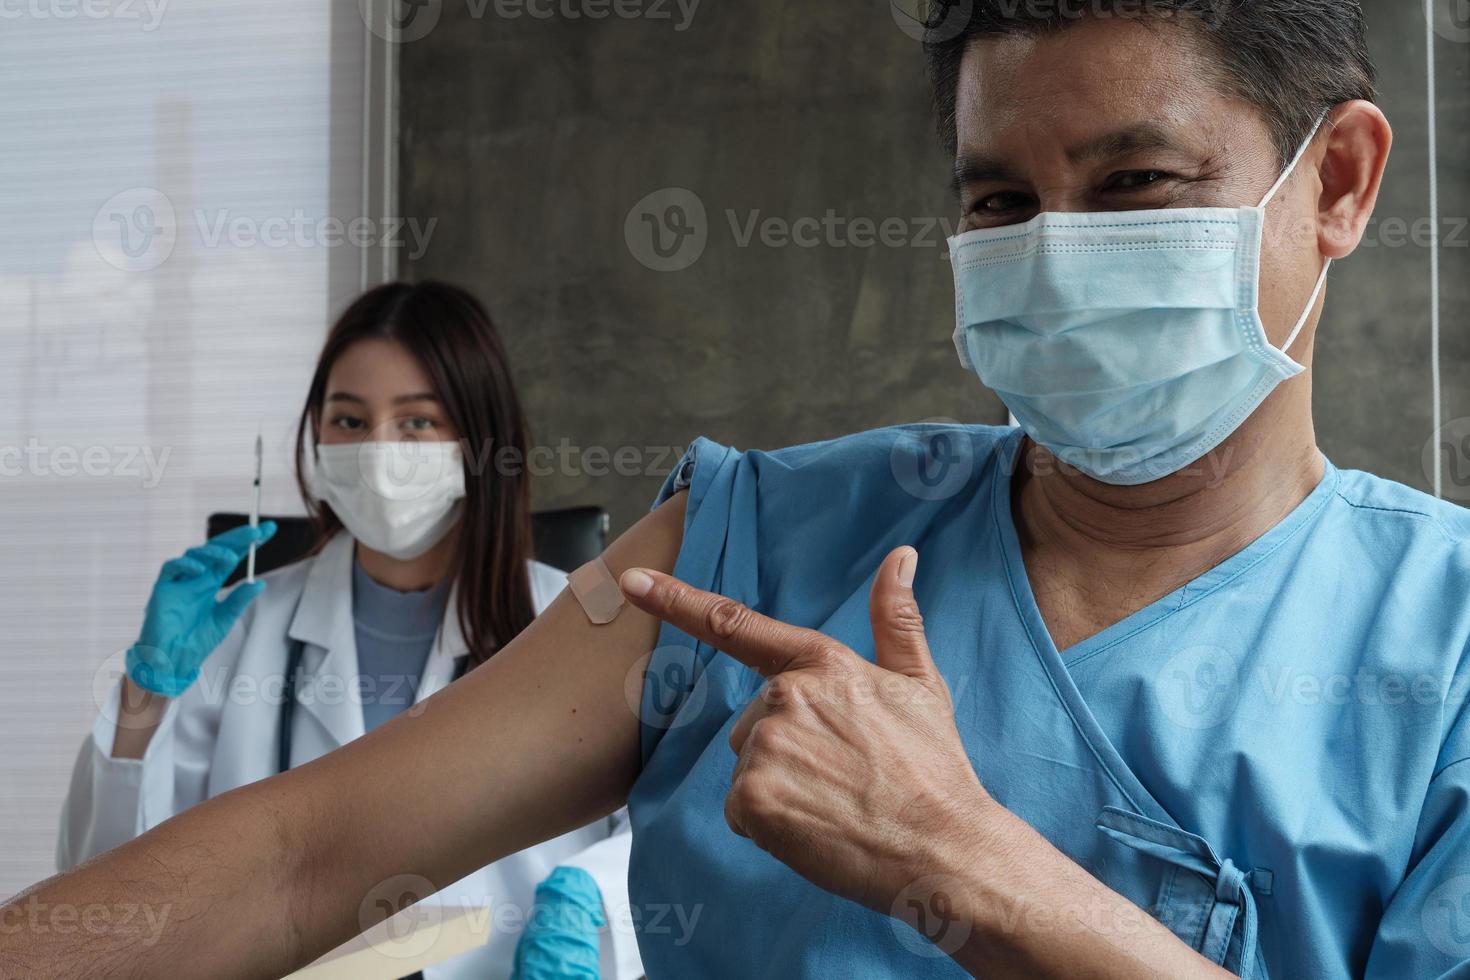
x=1128, y=343
x=398, y=498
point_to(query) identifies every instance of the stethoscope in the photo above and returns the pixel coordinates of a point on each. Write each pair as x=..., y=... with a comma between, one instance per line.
x=288, y=699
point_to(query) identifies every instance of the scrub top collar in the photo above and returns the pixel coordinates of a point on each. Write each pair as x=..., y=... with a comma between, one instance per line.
x=1052, y=661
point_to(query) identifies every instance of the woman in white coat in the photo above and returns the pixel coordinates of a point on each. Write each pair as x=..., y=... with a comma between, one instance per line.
x=410, y=457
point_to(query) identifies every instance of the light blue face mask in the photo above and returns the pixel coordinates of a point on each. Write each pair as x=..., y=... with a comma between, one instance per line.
x=1127, y=343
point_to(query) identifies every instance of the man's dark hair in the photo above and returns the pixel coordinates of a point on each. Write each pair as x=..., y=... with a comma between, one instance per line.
x=1291, y=59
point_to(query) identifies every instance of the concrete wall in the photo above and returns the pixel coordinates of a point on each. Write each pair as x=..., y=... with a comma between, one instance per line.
x=550, y=148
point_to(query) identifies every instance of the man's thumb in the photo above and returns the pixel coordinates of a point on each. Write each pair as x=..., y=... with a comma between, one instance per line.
x=898, y=629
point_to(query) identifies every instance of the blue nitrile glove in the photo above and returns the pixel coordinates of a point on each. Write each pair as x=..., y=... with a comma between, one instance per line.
x=561, y=937
x=184, y=623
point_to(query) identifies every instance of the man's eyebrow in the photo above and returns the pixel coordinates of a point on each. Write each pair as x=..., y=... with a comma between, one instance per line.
x=1131, y=139
x=976, y=170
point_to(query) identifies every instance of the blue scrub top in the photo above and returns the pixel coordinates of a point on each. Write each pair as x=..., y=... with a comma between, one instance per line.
x=1273, y=760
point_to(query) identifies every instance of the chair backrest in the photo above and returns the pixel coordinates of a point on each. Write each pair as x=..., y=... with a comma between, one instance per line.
x=563, y=539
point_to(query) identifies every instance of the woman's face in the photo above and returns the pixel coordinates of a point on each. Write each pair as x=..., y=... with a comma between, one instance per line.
x=378, y=391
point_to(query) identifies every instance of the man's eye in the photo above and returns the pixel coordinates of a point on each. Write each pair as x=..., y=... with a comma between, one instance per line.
x=1134, y=179
x=1003, y=202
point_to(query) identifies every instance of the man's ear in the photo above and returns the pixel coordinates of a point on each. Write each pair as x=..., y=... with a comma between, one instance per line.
x=1358, y=140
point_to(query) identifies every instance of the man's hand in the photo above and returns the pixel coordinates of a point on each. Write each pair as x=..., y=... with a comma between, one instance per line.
x=852, y=773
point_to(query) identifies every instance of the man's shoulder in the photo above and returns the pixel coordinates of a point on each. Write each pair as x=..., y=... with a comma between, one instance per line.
x=1399, y=511
x=943, y=450
x=923, y=462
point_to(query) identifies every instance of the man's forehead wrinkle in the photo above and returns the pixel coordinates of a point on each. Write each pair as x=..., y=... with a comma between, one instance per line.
x=1145, y=135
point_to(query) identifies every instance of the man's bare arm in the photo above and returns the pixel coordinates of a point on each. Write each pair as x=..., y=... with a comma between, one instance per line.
x=254, y=883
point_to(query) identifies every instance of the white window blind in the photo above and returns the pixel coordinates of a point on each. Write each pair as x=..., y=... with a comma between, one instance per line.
x=181, y=179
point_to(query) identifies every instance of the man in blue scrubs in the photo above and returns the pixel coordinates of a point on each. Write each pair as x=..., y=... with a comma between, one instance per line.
x=1213, y=670
x=1146, y=687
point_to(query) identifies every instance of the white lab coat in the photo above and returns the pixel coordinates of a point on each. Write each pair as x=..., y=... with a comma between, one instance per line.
x=223, y=732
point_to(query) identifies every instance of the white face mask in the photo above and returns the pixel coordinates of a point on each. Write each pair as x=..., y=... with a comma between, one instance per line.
x=1128, y=343
x=398, y=498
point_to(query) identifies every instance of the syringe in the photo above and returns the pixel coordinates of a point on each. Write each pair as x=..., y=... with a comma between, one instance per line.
x=254, y=510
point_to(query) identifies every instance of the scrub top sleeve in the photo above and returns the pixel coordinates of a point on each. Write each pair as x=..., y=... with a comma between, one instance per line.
x=1425, y=931
x=721, y=502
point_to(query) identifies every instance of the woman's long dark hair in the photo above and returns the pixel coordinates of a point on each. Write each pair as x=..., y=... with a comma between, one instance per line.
x=453, y=338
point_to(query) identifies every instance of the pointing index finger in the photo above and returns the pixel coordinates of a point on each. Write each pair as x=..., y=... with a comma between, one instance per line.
x=761, y=643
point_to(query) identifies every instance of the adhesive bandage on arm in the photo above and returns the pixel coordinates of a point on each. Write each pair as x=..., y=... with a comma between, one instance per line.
x=597, y=591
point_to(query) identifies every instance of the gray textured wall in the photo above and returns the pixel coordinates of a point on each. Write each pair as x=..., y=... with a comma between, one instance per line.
x=536, y=143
